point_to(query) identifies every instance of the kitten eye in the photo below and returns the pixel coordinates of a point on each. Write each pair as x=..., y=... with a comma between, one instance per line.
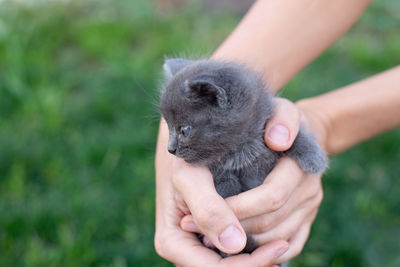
x=185, y=130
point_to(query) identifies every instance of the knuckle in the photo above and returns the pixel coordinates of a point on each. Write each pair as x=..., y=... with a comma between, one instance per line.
x=317, y=184
x=267, y=223
x=236, y=206
x=316, y=197
x=314, y=187
x=283, y=101
x=319, y=197
x=204, y=217
x=312, y=194
x=287, y=106
x=297, y=250
x=277, y=199
x=262, y=226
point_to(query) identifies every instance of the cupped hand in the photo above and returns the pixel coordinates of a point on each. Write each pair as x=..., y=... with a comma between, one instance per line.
x=183, y=189
x=285, y=205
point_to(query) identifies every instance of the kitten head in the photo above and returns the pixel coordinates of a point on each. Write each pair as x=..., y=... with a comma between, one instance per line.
x=212, y=108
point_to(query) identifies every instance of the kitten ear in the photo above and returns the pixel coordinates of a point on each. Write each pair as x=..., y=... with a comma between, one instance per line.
x=206, y=90
x=173, y=65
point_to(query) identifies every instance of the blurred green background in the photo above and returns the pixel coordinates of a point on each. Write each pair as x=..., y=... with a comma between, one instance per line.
x=78, y=85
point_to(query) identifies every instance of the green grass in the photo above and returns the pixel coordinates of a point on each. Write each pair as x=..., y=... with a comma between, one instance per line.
x=78, y=83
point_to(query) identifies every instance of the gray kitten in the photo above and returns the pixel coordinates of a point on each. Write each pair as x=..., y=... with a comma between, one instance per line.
x=216, y=114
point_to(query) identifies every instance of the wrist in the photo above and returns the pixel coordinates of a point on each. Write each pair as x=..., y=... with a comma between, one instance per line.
x=316, y=120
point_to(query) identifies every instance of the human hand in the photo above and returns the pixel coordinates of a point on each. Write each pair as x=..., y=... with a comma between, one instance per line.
x=184, y=189
x=291, y=197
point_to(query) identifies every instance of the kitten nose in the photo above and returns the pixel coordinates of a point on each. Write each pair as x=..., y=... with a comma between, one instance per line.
x=172, y=150
x=172, y=143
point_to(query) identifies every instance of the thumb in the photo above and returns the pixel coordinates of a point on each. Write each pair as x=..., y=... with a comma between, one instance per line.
x=283, y=127
x=210, y=212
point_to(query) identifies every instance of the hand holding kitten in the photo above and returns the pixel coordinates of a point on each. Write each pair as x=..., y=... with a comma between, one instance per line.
x=299, y=194
x=182, y=247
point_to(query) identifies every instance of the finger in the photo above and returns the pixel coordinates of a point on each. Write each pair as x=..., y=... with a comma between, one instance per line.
x=282, y=128
x=271, y=195
x=263, y=256
x=286, y=229
x=210, y=212
x=180, y=204
x=263, y=223
x=184, y=249
x=188, y=225
x=297, y=243
x=306, y=198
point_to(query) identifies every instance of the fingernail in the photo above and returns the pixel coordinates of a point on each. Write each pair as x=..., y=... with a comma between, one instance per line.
x=279, y=134
x=191, y=227
x=232, y=238
x=281, y=251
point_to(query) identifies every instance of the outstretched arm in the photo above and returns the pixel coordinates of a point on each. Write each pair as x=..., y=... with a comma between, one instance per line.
x=356, y=112
x=279, y=38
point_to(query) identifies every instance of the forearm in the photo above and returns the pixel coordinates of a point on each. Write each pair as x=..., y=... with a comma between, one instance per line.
x=356, y=112
x=278, y=38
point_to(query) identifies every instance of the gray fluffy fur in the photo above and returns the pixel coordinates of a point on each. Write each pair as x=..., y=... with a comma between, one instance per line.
x=227, y=107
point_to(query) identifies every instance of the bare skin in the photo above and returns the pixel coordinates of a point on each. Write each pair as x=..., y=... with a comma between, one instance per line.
x=186, y=197
x=279, y=38
x=357, y=112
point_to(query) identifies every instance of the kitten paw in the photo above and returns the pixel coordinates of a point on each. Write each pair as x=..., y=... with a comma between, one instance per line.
x=315, y=162
x=308, y=154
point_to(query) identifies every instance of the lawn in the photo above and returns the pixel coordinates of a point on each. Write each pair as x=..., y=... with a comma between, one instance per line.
x=79, y=82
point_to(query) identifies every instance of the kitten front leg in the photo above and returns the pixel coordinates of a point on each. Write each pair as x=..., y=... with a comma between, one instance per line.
x=307, y=153
x=227, y=184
